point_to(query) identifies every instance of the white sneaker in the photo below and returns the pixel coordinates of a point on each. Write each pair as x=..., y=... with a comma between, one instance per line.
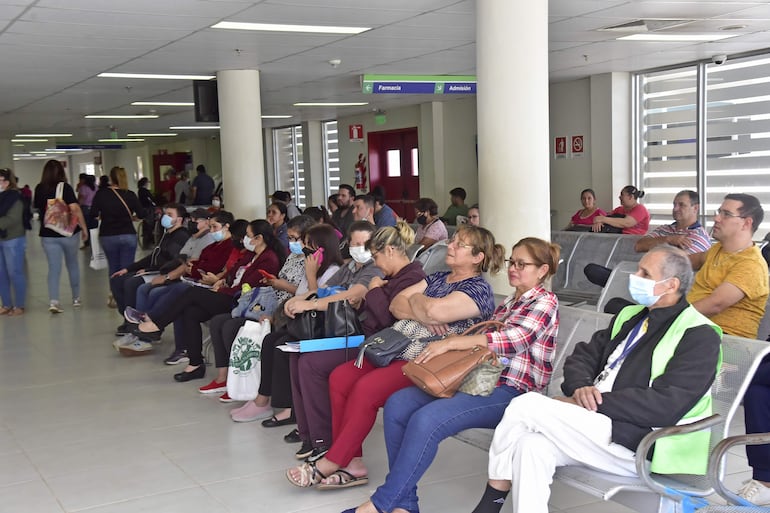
x=138, y=348
x=55, y=307
x=755, y=492
x=124, y=341
x=76, y=302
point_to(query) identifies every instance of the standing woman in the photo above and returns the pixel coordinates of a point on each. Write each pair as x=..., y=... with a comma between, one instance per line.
x=276, y=216
x=117, y=206
x=13, y=244
x=57, y=246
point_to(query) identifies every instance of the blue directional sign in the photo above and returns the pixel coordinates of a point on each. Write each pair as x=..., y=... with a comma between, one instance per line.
x=418, y=84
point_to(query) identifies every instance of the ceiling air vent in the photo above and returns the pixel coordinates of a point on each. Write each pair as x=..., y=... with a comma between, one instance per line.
x=641, y=25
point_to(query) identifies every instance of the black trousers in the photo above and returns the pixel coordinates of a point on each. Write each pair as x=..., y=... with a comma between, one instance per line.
x=275, y=382
x=124, y=289
x=223, y=329
x=193, y=307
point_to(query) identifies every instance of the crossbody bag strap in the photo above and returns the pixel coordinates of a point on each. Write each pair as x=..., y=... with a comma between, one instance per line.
x=130, y=215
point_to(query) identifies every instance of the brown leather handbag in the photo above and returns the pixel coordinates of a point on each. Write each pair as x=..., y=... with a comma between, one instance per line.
x=442, y=375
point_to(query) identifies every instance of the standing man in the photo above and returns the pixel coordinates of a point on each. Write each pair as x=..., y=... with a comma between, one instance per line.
x=363, y=208
x=182, y=191
x=343, y=216
x=202, y=187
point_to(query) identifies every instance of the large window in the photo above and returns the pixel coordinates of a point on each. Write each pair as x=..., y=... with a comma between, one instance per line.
x=705, y=127
x=331, y=158
x=289, y=169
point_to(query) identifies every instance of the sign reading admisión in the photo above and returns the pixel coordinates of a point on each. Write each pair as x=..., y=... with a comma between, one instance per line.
x=418, y=84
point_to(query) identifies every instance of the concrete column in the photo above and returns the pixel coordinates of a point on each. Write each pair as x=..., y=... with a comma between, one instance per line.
x=512, y=115
x=240, y=119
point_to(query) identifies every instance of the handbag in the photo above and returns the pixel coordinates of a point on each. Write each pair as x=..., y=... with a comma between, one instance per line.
x=442, y=375
x=98, y=258
x=58, y=216
x=307, y=325
x=382, y=348
x=341, y=320
x=255, y=303
x=244, y=370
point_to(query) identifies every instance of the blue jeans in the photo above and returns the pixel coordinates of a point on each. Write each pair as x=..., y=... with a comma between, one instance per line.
x=153, y=300
x=415, y=423
x=756, y=406
x=12, y=272
x=55, y=248
x=119, y=250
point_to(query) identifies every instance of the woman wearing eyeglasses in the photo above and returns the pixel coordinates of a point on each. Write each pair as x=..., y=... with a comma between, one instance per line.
x=416, y=422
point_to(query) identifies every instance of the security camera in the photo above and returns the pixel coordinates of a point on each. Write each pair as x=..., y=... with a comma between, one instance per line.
x=719, y=59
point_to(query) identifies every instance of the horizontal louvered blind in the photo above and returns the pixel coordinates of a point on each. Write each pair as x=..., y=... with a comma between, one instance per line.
x=289, y=169
x=331, y=157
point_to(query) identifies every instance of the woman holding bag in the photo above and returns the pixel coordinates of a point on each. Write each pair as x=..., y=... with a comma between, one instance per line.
x=415, y=422
x=13, y=245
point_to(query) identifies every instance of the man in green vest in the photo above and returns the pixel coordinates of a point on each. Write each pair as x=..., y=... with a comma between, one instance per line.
x=653, y=366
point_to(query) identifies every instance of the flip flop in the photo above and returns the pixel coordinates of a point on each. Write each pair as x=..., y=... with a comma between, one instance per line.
x=309, y=475
x=344, y=480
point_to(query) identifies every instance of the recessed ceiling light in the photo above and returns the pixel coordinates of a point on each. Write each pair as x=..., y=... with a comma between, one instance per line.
x=121, y=116
x=165, y=104
x=652, y=36
x=330, y=104
x=156, y=76
x=194, y=127
x=29, y=140
x=277, y=116
x=119, y=140
x=278, y=27
x=151, y=135
x=43, y=135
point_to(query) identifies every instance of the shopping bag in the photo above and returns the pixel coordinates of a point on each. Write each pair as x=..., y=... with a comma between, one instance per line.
x=58, y=216
x=98, y=258
x=244, y=371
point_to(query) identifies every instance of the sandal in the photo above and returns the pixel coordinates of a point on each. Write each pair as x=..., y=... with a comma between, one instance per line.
x=344, y=480
x=16, y=311
x=6, y=310
x=309, y=475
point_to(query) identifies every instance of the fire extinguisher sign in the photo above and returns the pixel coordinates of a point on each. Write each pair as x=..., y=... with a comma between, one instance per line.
x=356, y=133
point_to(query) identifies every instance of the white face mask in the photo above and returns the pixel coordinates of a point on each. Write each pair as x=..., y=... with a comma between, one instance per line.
x=248, y=243
x=216, y=203
x=360, y=254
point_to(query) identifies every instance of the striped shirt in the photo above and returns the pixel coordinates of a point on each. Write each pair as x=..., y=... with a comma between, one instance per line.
x=528, y=340
x=699, y=238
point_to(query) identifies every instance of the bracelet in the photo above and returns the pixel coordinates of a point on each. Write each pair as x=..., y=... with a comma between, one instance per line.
x=315, y=303
x=167, y=278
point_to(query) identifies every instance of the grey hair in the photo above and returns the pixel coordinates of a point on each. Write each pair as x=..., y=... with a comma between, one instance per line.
x=676, y=264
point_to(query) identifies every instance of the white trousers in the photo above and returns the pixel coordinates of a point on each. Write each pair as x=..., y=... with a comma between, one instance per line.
x=538, y=434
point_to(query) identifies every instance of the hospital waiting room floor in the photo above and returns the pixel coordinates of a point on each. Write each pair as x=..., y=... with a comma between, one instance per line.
x=85, y=429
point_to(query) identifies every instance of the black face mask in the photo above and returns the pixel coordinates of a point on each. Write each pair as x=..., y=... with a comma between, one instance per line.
x=422, y=219
x=192, y=226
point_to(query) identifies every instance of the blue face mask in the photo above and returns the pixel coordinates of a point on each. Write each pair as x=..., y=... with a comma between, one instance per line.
x=166, y=221
x=641, y=289
x=218, y=236
x=295, y=247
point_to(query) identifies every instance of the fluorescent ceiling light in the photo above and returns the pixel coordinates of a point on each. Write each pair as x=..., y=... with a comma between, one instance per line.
x=278, y=27
x=164, y=104
x=156, y=76
x=22, y=154
x=151, y=135
x=121, y=116
x=43, y=135
x=28, y=140
x=70, y=149
x=330, y=104
x=194, y=127
x=119, y=140
x=277, y=116
x=49, y=151
x=653, y=36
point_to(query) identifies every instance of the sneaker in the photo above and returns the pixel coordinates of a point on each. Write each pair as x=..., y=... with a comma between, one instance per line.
x=124, y=341
x=304, y=451
x=317, y=454
x=54, y=307
x=293, y=437
x=176, y=357
x=126, y=328
x=213, y=388
x=133, y=316
x=76, y=303
x=755, y=492
x=138, y=348
x=224, y=398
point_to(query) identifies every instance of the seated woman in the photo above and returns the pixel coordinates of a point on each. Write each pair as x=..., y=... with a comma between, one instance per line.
x=321, y=215
x=274, y=387
x=416, y=422
x=630, y=218
x=584, y=218
x=431, y=228
x=444, y=302
x=223, y=327
x=197, y=304
x=276, y=216
x=310, y=371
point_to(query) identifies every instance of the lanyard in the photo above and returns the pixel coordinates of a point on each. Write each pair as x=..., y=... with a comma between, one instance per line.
x=632, y=341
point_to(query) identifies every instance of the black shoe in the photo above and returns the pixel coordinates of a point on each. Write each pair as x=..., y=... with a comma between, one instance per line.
x=273, y=422
x=125, y=329
x=292, y=438
x=317, y=454
x=193, y=374
x=147, y=336
x=304, y=451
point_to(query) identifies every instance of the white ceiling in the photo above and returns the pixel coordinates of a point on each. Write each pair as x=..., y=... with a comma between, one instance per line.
x=52, y=50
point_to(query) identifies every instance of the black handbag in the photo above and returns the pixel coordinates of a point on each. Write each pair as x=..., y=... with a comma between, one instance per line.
x=382, y=348
x=307, y=325
x=341, y=320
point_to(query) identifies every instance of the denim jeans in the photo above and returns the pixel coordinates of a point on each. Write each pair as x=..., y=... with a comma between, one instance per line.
x=153, y=300
x=12, y=272
x=55, y=249
x=119, y=250
x=756, y=408
x=415, y=424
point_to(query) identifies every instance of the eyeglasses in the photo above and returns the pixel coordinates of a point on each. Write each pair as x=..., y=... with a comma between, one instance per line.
x=726, y=213
x=519, y=265
x=460, y=244
x=294, y=239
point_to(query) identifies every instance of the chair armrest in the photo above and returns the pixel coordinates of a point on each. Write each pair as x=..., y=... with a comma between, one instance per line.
x=648, y=441
x=716, y=462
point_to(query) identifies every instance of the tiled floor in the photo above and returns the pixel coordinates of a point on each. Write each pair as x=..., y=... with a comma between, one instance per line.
x=84, y=429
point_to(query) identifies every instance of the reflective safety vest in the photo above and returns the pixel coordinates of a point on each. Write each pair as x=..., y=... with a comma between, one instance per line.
x=686, y=453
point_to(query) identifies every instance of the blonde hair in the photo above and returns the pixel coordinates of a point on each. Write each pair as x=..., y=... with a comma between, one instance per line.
x=119, y=177
x=542, y=252
x=482, y=241
x=399, y=237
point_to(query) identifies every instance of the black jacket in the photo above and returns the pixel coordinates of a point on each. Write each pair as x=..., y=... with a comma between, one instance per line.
x=166, y=251
x=634, y=406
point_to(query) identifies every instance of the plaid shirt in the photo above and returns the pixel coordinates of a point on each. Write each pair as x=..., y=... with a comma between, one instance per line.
x=528, y=340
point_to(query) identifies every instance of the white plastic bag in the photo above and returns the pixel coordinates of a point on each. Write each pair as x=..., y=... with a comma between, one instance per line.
x=244, y=371
x=98, y=258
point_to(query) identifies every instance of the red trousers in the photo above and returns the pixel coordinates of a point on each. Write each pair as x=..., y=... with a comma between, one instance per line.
x=356, y=396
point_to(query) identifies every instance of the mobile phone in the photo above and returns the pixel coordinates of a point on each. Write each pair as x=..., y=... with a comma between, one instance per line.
x=266, y=274
x=319, y=255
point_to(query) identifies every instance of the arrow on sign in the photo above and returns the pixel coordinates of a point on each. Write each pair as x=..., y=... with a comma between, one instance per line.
x=368, y=87
x=439, y=88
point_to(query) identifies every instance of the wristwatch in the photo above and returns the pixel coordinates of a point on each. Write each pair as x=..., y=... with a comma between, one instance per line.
x=168, y=278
